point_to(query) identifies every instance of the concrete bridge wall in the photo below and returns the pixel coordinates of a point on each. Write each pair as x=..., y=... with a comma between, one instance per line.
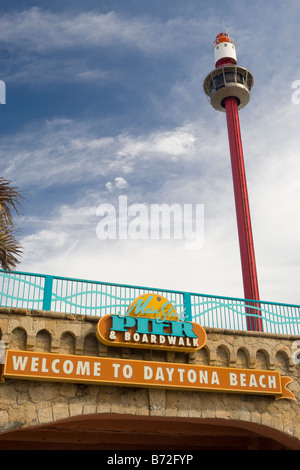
x=31, y=407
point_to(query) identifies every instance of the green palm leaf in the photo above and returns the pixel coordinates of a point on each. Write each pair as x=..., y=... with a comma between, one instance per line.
x=10, y=248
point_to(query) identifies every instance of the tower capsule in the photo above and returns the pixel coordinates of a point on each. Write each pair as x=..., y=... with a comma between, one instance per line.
x=224, y=50
x=228, y=78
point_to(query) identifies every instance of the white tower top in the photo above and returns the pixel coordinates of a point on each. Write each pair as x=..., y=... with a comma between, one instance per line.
x=224, y=50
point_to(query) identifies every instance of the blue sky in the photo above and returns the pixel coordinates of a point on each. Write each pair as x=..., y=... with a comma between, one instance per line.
x=104, y=98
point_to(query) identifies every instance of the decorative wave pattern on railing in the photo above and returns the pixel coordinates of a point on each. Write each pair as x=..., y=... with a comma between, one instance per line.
x=21, y=290
x=233, y=314
x=44, y=292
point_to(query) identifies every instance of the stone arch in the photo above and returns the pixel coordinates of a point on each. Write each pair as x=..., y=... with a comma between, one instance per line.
x=203, y=356
x=43, y=341
x=67, y=343
x=262, y=359
x=242, y=358
x=287, y=351
x=148, y=432
x=18, y=339
x=222, y=355
x=282, y=362
x=91, y=345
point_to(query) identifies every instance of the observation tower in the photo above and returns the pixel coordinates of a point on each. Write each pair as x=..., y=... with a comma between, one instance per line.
x=228, y=88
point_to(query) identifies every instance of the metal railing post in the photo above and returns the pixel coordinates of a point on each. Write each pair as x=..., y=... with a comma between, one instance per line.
x=188, y=306
x=47, y=292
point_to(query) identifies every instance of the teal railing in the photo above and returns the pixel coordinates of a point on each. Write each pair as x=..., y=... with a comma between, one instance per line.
x=44, y=292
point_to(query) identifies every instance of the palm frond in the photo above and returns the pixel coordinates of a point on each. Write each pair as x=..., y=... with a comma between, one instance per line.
x=10, y=248
x=9, y=200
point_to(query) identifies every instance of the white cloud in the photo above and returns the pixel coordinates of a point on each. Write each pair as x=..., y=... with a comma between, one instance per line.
x=42, y=30
x=142, y=166
x=66, y=150
x=91, y=75
x=47, y=46
x=178, y=142
x=51, y=154
x=109, y=186
x=67, y=244
x=121, y=183
x=70, y=250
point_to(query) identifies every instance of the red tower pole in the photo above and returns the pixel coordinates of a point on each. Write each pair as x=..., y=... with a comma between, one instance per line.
x=243, y=213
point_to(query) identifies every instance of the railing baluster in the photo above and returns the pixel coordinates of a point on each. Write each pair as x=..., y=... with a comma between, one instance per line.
x=47, y=292
x=187, y=306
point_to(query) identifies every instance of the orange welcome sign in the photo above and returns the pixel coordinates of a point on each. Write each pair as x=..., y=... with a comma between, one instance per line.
x=28, y=365
x=151, y=322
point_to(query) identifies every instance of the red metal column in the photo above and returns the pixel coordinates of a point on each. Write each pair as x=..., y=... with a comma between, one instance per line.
x=251, y=291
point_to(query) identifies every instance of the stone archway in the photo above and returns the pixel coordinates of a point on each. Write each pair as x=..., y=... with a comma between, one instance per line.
x=128, y=432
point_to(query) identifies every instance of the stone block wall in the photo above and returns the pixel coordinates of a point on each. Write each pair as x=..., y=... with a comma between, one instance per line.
x=25, y=403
